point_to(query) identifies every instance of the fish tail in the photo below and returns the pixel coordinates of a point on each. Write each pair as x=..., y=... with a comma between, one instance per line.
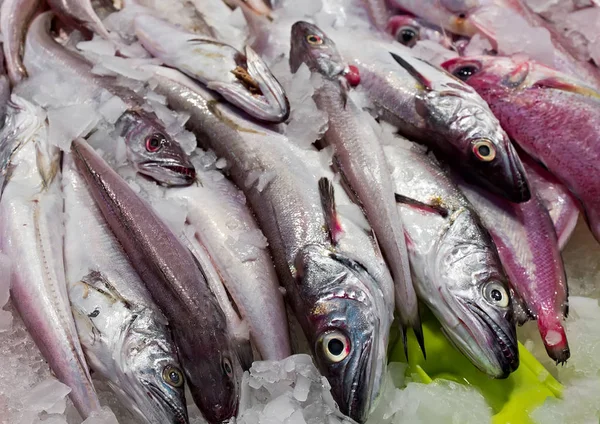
x=418, y=330
x=553, y=335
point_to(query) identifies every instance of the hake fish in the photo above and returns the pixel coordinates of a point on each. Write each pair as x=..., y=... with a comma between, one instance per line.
x=359, y=158
x=176, y=283
x=457, y=272
x=125, y=338
x=337, y=286
x=244, y=80
x=31, y=229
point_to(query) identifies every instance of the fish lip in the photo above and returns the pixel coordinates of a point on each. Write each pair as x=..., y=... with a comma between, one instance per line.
x=358, y=400
x=522, y=193
x=179, y=174
x=504, y=348
x=180, y=415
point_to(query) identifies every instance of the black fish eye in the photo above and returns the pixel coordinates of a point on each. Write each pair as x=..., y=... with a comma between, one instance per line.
x=335, y=346
x=465, y=72
x=227, y=368
x=314, y=39
x=496, y=295
x=407, y=35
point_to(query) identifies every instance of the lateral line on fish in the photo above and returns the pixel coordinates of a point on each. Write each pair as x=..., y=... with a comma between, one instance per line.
x=332, y=222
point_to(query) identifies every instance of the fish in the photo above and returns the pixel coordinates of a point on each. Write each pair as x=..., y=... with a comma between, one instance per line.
x=125, y=337
x=408, y=29
x=528, y=247
x=457, y=272
x=431, y=107
x=359, y=158
x=224, y=227
x=551, y=116
x=335, y=280
x=153, y=152
x=171, y=274
x=15, y=16
x=81, y=15
x=469, y=17
x=558, y=200
x=243, y=79
x=378, y=13
x=31, y=228
x=4, y=90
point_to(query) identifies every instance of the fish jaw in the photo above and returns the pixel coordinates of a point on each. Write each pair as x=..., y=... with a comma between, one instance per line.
x=347, y=351
x=313, y=47
x=168, y=173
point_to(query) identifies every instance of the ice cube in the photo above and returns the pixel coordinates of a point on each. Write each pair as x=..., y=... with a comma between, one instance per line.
x=46, y=395
x=301, y=388
x=67, y=123
x=103, y=416
x=112, y=109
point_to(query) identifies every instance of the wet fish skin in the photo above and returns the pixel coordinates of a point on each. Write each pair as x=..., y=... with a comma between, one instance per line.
x=242, y=79
x=528, y=247
x=433, y=108
x=124, y=336
x=171, y=274
x=153, y=151
x=80, y=14
x=360, y=159
x=31, y=236
x=15, y=16
x=340, y=295
x=455, y=265
x=552, y=117
x=4, y=89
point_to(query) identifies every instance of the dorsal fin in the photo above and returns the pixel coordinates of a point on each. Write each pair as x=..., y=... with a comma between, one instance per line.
x=412, y=71
x=327, y=194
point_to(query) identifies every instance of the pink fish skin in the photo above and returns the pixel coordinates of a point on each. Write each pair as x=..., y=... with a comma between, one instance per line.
x=552, y=117
x=560, y=202
x=528, y=249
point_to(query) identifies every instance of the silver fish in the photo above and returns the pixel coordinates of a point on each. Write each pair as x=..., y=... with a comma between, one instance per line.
x=80, y=14
x=31, y=227
x=432, y=107
x=4, y=90
x=152, y=150
x=176, y=283
x=125, y=338
x=359, y=158
x=15, y=16
x=455, y=264
x=338, y=288
x=225, y=228
x=244, y=80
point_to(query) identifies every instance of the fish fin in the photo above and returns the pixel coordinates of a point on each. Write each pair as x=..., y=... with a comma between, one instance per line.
x=418, y=330
x=403, y=335
x=565, y=85
x=435, y=206
x=83, y=319
x=97, y=281
x=412, y=71
x=47, y=171
x=327, y=194
x=517, y=77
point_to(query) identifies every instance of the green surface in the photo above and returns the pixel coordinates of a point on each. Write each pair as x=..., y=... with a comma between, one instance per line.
x=511, y=399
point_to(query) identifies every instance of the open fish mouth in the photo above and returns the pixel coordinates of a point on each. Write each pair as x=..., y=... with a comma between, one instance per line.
x=169, y=175
x=504, y=347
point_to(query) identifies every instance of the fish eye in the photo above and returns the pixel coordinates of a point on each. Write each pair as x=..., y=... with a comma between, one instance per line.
x=227, y=367
x=335, y=346
x=484, y=150
x=407, y=35
x=155, y=142
x=495, y=294
x=465, y=72
x=314, y=39
x=173, y=376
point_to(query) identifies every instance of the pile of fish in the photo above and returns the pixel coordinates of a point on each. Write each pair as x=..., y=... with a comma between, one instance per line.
x=189, y=186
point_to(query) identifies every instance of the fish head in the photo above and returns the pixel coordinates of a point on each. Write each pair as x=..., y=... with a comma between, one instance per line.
x=153, y=152
x=151, y=376
x=313, y=47
x=489, y=73
x=408, y=29
x=452, y=15
x=343, y=327
x=473, y=301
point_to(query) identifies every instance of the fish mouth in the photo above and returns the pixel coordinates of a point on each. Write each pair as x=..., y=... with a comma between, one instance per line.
x=520, y=188
x=505, y=349
x=177, y=415
x=169, y=174
x=358, y=393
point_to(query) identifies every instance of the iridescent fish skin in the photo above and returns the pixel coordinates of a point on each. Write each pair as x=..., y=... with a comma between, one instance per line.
x=552, y=117
x=457, y=272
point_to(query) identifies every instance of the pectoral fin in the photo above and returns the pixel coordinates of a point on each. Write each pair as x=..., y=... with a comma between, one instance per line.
x=332, y=222
x=435, y=206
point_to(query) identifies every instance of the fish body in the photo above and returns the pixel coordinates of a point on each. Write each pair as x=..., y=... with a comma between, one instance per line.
x=176, y=283
x=4, y=89
x=125, y=338
x=340, y=293
x=31, y=228
x=225, y=228
x=153, y=152
x=528, y=247
x=80, y=14
x=15, y=16
x=431, y=107
x=552, y=117
x=456, y=268
x=244, y=80
x=358, y=156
